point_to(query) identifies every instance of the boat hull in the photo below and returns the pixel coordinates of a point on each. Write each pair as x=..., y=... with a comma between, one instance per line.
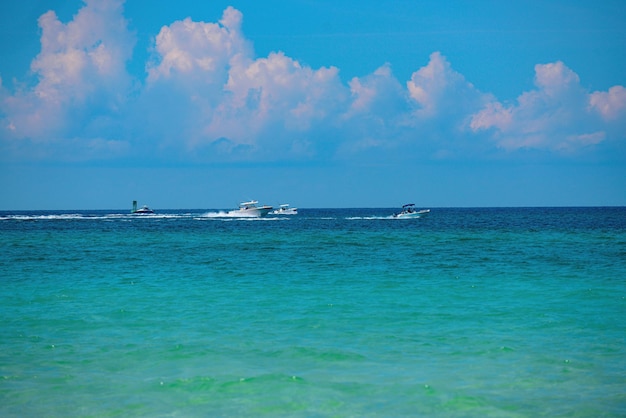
x=142, y=210
x=252, y=212
x=415, y=214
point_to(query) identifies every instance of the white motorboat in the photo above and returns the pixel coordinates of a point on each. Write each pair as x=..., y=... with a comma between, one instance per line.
x=285, y=210
x=409, y=211
x=142, y=210
x=251, y=210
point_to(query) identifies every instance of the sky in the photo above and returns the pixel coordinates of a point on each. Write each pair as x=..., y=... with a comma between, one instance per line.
x=320, y=104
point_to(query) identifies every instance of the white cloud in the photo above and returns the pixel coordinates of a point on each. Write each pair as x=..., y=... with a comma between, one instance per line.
x=559, y=115
x=611, y=105
x=199, y=51
x=494, y=114
x=235, y=99
x=81, y=76
x=428, y=85
x=207, y=96
x=275, y=105
x=376, y=107
x=555, y=78
x=440, y=91
x=278, y=89
x=379, y=94
x=83, y=55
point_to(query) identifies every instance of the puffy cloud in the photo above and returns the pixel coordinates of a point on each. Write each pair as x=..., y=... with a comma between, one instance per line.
x=555, y=78
x=559, y=115
x=81, y=79
x=377, y=105
x=84, y=57
x=439, y=91
x=199, y=51
x=494, y=114
x=185, y=84
x=93, y=48
x=611, y=104
x=227, y=101
x=207, y=97
x=379, y=94
x=274, y=105
x=277, y=89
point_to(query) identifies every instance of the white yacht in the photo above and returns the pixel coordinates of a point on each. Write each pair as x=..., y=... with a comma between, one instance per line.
x=409, y=211
x=250, y=209
x=285, y=210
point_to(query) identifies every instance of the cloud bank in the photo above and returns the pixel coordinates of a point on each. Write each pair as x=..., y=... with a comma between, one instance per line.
x=206, y=97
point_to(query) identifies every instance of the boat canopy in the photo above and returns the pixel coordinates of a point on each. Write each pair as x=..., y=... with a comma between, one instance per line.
x=408, y=204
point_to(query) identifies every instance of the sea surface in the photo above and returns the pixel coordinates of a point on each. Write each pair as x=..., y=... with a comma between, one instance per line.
x=487, y=312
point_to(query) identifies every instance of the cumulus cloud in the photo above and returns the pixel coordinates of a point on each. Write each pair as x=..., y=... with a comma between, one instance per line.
x=81, y=80
x=77, y=58
x=238, y=102
x=198, y=51
x=207, y=97
x=611, y=104
x=559, y=115
x=377, y=104
x=439, y=91
x=269, y=101
x=379, y=95
x=185, y=83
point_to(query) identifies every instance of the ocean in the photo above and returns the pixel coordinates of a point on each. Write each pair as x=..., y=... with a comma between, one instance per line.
x=465, y=312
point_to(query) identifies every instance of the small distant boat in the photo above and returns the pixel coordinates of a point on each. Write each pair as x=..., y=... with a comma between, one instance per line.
x=250, y=209
x=409, y=211
x=142, y=210
x=285, y=210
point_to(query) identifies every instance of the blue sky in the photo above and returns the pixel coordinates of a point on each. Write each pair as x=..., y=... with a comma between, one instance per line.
x=193, y=104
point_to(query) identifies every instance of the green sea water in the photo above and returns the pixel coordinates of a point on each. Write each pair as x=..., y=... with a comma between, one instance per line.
x=517, y=312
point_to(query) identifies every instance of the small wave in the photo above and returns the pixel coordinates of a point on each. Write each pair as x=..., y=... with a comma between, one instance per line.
x=368, y=218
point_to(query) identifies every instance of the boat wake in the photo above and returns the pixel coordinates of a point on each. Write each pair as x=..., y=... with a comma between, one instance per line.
x=92, y=217
x=219, y=215
x=238, y=215
x=229, y=214
x=370, y=218
x=42, y=217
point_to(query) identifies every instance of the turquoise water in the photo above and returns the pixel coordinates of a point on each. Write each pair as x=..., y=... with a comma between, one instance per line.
x=339, y=312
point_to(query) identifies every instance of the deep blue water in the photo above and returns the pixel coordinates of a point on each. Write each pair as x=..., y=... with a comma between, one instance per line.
x=505, y=312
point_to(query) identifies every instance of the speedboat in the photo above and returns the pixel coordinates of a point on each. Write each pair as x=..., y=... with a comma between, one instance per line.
x=250, y=209
x=285, y=210
x=409, y=211
x=142, y=210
